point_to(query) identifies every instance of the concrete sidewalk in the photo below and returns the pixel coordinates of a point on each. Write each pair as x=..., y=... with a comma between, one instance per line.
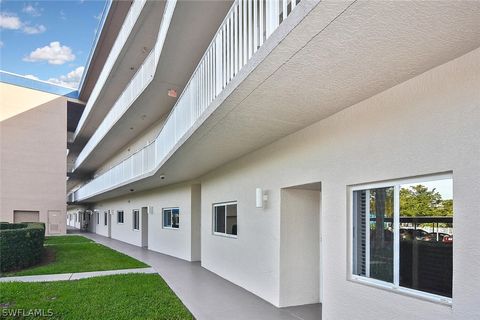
x=75, y=276
x=205, y=294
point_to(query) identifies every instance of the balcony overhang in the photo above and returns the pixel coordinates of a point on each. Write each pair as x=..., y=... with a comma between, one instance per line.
x=123, y=60
x=337, y=55
x=191, y=30
x=111, y=22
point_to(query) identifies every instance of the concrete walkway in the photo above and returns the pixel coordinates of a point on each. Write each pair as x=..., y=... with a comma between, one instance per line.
x=206, y=295
x=75, y=276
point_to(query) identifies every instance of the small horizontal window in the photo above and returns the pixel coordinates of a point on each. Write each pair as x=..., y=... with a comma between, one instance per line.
x=171, y=218
x=225, y=218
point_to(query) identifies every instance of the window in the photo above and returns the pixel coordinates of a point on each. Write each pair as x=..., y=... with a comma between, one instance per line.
x=225, y=218
x=105, y=218
x=119, y=216
x=136, y=220
x=403, y=235
x=171, y=218
x=98, y=216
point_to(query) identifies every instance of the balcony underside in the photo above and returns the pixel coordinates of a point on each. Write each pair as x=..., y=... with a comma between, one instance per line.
x=312, y=67
x=132, y=54
x=190, y=32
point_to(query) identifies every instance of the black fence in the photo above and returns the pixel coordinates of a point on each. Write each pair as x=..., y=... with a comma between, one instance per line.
x=426, y=266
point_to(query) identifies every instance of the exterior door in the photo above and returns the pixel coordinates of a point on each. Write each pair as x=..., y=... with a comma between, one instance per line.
x=144, y=227
x=109, y=225
x=54, y=220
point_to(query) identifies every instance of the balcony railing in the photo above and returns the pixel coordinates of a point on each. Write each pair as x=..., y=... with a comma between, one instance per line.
x=248, y=24
x=132, y=16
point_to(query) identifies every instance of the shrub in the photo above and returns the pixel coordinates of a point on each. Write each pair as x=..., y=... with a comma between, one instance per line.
x=21, y=245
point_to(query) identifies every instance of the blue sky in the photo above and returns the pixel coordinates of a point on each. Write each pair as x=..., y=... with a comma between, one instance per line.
x=444, y=187
x=48, y=40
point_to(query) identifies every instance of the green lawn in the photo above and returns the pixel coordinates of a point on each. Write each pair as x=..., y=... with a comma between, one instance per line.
x=79, y=254
x=66, y=239
x=133, y=296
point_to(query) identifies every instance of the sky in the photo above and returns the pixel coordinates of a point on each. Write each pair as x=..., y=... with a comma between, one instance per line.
x=444, y=187
x=48, y=40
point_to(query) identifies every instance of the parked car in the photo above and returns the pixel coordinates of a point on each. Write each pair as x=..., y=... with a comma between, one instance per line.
x=434, y=236
x=448, y=239
x=410, y=234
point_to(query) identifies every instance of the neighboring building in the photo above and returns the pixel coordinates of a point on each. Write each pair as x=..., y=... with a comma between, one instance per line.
x=33, y=145
x=282, y=144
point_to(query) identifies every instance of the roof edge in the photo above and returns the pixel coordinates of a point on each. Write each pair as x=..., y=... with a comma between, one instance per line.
x=100, y=30
x=40, y=85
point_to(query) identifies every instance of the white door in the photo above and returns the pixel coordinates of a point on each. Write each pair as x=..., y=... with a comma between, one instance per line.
x=144, y=227
x=54, y=220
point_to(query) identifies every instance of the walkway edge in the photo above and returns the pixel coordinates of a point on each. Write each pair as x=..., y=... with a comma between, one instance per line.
x=76, y=275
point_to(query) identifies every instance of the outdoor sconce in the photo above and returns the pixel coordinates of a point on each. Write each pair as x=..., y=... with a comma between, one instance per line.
x=261, y=198
x=150, y=210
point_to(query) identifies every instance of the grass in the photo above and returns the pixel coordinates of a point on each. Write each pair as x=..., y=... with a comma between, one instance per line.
x=133, y=296
x=65, y=239
x=66, y=254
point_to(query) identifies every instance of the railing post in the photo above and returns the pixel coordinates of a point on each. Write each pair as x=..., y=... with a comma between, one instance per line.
x=218, y=63
x=272, y=11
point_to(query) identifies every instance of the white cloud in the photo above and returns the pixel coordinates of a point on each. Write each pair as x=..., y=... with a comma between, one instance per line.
x=9, y=21
x=98, y=16
x=54, y=53
x=31, y=76
x=63, y=16
x=34, y=30
x=32, y=10
x=12, y=22
x=71, y=80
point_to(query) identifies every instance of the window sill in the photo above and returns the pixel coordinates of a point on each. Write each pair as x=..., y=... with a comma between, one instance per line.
x=136, y=230
x=225, y=235
x=170, y=228
x=430, y=297
x=120, y=222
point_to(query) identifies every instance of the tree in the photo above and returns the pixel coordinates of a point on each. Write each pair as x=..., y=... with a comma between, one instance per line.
x=420, y=201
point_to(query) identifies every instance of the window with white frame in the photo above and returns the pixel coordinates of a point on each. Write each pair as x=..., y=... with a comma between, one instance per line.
x=171, y=218
x=97, y=214
x=105, y=218
x=403, y=234
x=120, y=216
x=136, y=219
x=225, y=218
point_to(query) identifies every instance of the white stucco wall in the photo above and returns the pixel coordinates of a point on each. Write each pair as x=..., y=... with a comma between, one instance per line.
x=429, y=124
x=174, y=242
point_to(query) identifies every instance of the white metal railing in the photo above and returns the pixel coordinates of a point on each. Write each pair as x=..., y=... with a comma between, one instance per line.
x=139, y=82
x=246, y=27
x=132, y=16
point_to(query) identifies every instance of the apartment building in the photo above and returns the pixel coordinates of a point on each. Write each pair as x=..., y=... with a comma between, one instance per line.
x=307, y=151
x=33, y=145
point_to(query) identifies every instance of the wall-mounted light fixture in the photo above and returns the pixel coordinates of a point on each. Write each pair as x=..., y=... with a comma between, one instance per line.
x=150, y=210
x=261, y=198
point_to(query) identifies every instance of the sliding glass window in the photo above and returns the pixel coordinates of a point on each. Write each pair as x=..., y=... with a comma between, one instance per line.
x=403, y=234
